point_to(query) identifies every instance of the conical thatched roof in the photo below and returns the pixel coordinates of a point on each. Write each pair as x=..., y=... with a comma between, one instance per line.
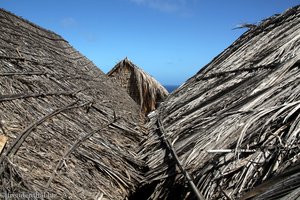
x=70, y=131
x=234, y=126
x=143, y=88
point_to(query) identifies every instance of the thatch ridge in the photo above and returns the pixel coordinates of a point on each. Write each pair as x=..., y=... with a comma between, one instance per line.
x=143, y=88
x=72, y=134
x=235, y=124
x=15, y=18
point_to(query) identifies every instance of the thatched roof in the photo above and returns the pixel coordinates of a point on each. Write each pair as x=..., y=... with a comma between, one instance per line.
x=234, y=126
x=71, y=132
x=143, y=88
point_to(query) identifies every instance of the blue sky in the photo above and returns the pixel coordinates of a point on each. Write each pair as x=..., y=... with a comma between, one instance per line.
x=170, y=39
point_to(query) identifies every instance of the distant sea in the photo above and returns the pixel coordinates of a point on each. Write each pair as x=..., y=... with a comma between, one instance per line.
x=171, y=88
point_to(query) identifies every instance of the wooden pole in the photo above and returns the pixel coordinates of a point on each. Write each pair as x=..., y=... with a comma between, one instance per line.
x=185, y=173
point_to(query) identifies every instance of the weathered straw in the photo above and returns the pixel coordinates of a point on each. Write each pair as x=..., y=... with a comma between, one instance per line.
x=235, y=124
x=58, y=113
x=143, y=88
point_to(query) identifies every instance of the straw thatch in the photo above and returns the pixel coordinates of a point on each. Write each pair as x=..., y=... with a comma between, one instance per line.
x=72, y=134
x=232, y=130
x=143, y=89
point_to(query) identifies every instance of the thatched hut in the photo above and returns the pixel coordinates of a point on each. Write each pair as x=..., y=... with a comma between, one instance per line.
x=143, y=88
x=66, y=130
x=232, y=130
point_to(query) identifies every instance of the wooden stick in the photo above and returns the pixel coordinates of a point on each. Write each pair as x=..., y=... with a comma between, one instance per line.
x=24, y=134
x=28, y=95
x=73, y=147
x=29, y=73
x=230, y=150
x=19, y=53
x=185, y=173
x=13, y=58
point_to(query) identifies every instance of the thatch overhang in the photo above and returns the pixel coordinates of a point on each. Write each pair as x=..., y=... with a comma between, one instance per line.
x=143, y=88
x=72, y=134
x=234, y=126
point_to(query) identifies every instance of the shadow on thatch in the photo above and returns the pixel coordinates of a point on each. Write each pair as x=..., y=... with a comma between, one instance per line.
x=72, y=134
x=143, y=89
x=234, y=126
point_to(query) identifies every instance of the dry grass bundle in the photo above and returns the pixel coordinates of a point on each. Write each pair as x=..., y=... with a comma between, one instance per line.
x=72, y=134
x=143, y=89
x=235, y=125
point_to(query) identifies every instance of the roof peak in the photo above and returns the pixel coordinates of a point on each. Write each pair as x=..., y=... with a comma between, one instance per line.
x=126, y=59
x=129, y=62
